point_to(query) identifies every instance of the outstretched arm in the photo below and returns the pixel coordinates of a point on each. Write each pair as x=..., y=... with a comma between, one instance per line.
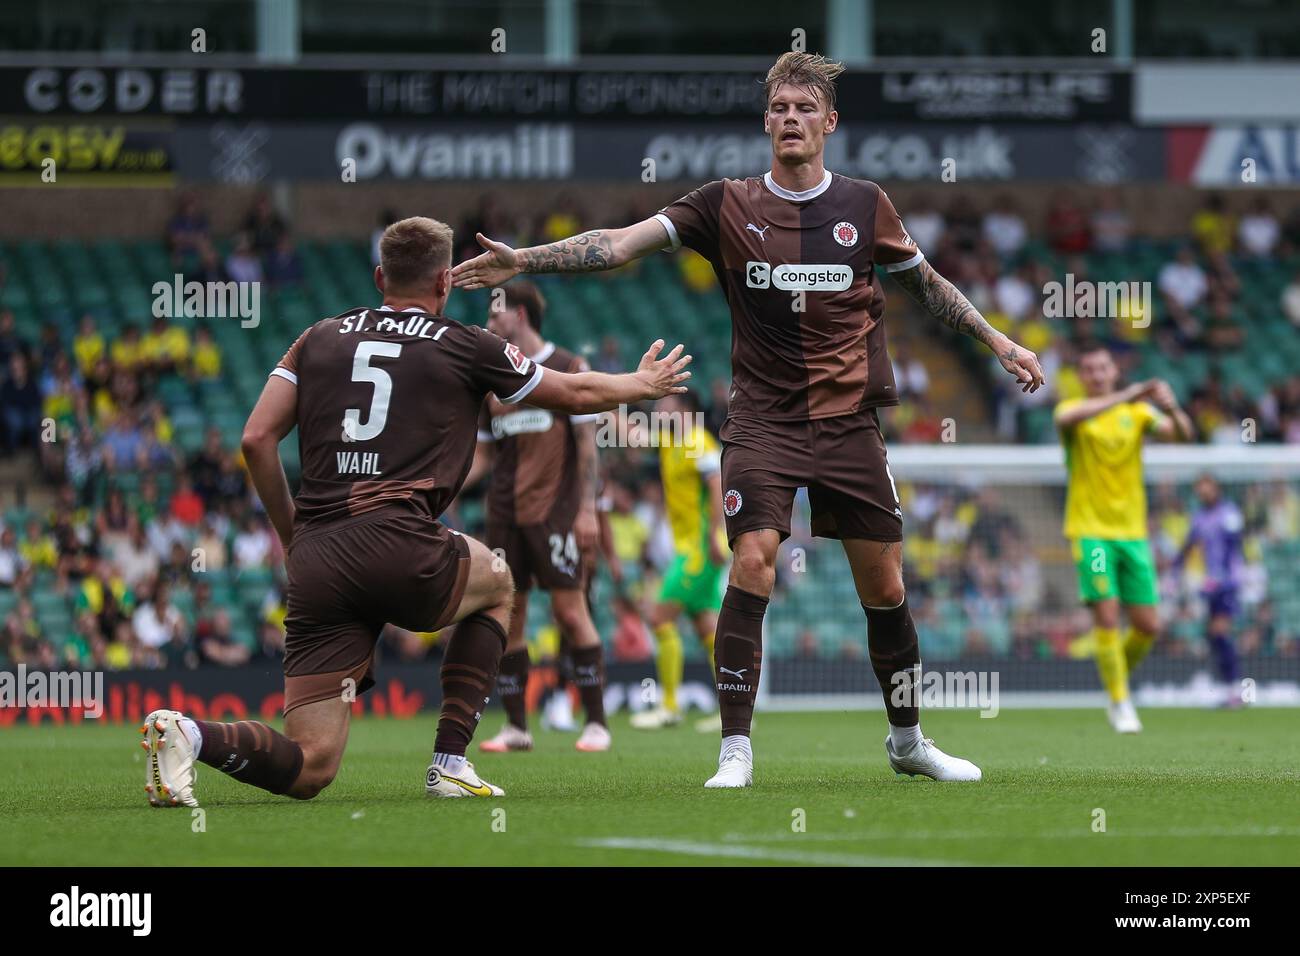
x=944, y=301
x=591, y=251
x=582, y=393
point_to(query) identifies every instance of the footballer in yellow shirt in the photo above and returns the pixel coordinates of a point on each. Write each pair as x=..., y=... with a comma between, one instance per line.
x=690, y=467
x=1106, y=513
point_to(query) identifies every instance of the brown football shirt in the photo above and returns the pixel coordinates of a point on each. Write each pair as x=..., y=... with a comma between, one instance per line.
x=388, y=406
x=535, y=469
x=800, y=271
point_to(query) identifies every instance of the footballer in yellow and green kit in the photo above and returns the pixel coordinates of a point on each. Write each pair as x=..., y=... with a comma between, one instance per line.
x=1106, y=515
x=692, y=580
x=690, y=469
x=1105, y=504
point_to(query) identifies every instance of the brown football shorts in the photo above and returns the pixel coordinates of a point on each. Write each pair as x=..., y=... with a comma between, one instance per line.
x=546, y=555
x=840, y=460
x=348, y=579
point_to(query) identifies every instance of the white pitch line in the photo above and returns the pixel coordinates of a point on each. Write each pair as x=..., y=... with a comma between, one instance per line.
x=736, y=851
x=1083, y=830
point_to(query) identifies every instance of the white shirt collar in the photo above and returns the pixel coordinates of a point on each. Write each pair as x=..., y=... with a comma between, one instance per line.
x=803, y=195
x=544, y=353
x=389, y=308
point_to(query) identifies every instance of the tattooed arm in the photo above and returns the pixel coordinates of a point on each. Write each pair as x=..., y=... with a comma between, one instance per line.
x=941, y=299
x=591, y=251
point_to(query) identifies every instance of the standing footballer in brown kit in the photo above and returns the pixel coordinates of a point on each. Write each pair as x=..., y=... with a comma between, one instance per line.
x=386, y=401
x=798, y=252
x=541, y=517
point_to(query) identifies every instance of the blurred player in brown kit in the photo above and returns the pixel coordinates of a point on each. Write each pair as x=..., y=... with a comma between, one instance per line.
x=386, y=401
x=541, y=516
x=799, y=252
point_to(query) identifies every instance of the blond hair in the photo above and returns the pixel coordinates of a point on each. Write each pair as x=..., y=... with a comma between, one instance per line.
x=412, y=251
x=811, y=71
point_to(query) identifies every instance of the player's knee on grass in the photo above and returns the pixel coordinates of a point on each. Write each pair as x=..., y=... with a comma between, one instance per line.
x=319, y=767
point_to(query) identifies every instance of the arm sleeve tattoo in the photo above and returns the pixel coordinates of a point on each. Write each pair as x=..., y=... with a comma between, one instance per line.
x=588, y=252
x=941, y=299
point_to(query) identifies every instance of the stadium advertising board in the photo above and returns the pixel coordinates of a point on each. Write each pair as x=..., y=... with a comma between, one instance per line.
x=241, y=693
x=1236, y=155
x=1069, y=96
x=969, y=94
x=405, y=690
x=79, y=151
x=235, y=151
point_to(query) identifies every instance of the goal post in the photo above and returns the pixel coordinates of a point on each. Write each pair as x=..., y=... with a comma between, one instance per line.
x=992, y=585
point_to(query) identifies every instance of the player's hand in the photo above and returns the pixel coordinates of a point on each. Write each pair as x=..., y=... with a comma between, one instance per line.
x=1140, y=390
x=586, y=532
x=1021, y=363
x=495, y=266
x=663, y=376
x=1162, y=396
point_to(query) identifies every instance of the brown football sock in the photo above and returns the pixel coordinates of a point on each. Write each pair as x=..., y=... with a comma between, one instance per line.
x=252, y=753
x=512, y=683
x=589, y=675
x=896, y=659
x=738, y=656
x=469, y=668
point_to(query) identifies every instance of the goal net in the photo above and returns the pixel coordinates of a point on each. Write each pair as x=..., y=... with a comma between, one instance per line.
x=993, y=589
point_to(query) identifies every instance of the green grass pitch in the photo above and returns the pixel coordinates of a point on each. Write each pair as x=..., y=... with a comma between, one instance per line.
x=1196, y=788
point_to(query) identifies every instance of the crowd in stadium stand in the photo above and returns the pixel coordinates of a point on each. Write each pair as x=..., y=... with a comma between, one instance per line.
x=137, y=568
x=166, y=559
x=1003, y=264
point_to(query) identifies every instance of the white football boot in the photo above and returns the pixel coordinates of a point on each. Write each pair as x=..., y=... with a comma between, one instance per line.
x=927, y=760
x=558, y=713
x=467, y=783
x=656, y=718
x=595, y=738
x=510, y=738
x=735, y=768
x=169, y=762
x=1123, y=717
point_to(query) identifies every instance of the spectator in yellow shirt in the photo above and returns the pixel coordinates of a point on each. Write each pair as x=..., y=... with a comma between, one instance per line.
x=88, y=345
x=205, y=359
x=61, y=392
x=127, y=352
x=1213, y=226
x=38, y=548
x=563, y=221
x=167, y=346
